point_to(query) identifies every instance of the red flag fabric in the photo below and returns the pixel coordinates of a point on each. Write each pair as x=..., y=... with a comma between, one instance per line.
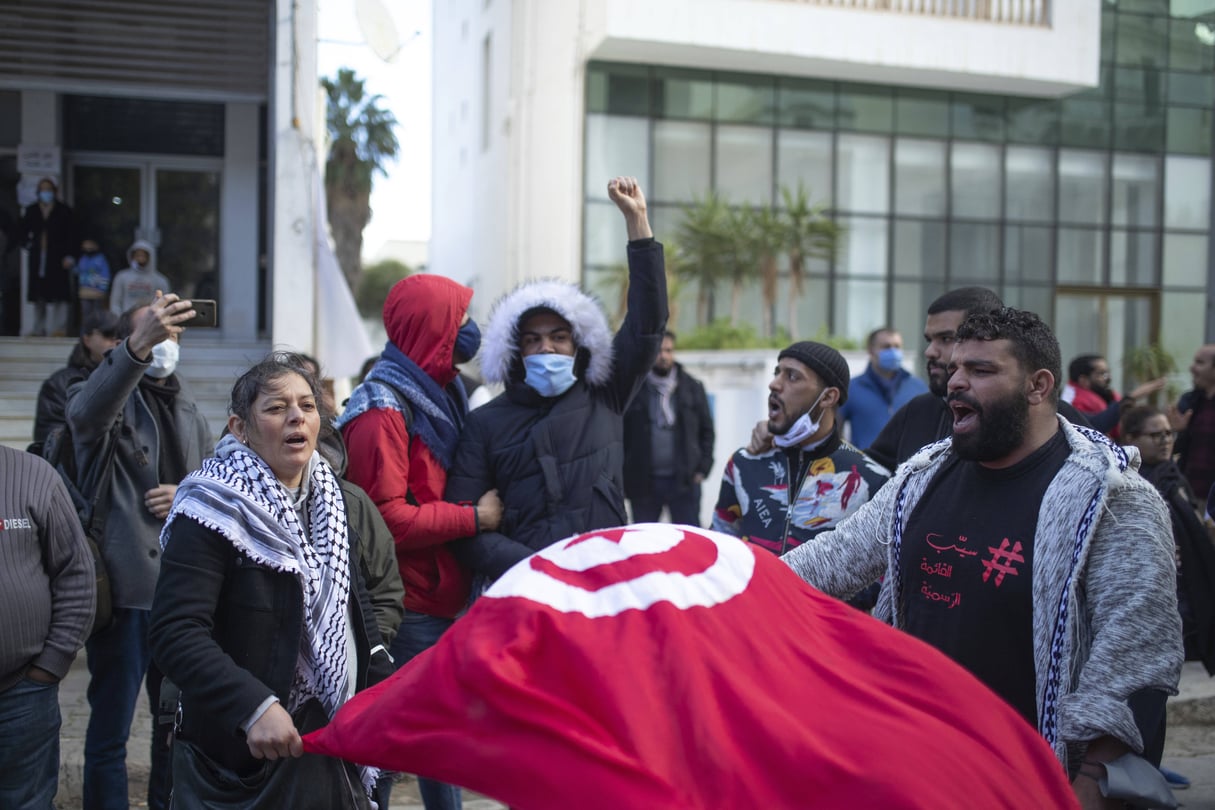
x=658, y=666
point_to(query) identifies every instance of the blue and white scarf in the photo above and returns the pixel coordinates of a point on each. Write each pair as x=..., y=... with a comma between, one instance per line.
x=438, y=416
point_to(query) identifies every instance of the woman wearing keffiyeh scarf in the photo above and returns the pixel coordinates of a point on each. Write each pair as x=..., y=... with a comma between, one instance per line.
x=257, y=616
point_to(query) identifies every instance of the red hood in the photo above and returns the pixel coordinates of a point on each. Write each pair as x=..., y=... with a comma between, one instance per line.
x=422, y=315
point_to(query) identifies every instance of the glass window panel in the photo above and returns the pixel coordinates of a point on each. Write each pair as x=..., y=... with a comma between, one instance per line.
x=1082, y=187
x=1189, y=130
x=811, y=306
x=1133, y=258
x=619, y=89
x=862, y=247
x=1109, y=26
x=855, y=312
x=664, y=220
x=919, y=249
x=10, y=118
x=683, y=94
x=1191, y=8
x=805, y=157
x=1190, y=46
x=974, y=181
x=605, y=244
x=1141, y=86
x=110, y=200
x=1142, y=41
x=910, y=300
x=807, y=104
x=1192, y=88
x=974, y=253
x=1139, y=127
x=1136, y=180
x=113, y=124
x=919, y=177
x=1080, y=256
x=1183, y=327
x=681, y=160
x=746, y=100
x=1039, y=300
x=1028, y=253
x=978, y=117
x=1187, y=192
x=863, y=174
x=865, y=108
x=1185, y=260
x=1033, y=120
x=1145, y=6
x=1084, y=122
x=187, y=215
x=921, y=112
x=615, y=146
x=744, y=163
x=1029, y=192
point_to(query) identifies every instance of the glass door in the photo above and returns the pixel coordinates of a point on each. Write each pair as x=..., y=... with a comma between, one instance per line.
x=1109, y=323
x=172, y=204
x=109, y=207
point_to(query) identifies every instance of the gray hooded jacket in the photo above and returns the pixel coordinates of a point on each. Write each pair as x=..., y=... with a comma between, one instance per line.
x=1104, y=583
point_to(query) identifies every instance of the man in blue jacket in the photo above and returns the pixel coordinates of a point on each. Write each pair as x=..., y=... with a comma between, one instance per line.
x=882, y=389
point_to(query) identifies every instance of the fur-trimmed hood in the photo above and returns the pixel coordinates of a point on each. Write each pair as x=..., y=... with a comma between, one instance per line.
x=592, y=335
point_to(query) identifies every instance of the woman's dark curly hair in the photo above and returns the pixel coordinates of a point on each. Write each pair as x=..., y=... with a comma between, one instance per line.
x=1031, y=340
x=276, y=366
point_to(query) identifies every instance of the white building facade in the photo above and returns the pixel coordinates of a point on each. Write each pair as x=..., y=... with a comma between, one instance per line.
x=1057, y=152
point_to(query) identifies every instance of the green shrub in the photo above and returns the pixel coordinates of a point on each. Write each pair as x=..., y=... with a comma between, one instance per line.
x=376, y=281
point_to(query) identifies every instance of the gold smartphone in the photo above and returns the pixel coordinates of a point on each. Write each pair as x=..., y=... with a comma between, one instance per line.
x=205, y=313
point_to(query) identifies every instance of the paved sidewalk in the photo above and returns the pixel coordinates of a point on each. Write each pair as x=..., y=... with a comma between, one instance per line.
x=1190, y=748
x=74, y=707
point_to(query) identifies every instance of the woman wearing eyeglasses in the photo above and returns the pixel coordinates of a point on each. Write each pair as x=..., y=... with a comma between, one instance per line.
x=1148, y=429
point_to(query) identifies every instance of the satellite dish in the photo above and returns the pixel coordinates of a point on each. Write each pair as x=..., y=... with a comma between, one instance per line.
x=378, y=28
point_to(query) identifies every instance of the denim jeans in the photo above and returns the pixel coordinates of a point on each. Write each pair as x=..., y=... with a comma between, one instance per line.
x=119, y=660
x=29, y=746
x=420, y=632
x=684, y=506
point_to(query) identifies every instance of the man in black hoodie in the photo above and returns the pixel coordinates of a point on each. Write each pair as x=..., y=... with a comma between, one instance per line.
x=98, y=334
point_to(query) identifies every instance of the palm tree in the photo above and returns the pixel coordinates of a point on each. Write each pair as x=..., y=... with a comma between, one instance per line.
x=704, y=233
x=362, y=142
x=767, y=225
x=807, y=233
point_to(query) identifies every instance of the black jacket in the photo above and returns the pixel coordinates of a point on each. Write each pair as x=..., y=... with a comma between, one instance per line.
x=924, y=420
x=693, y=435
x=228, y=631
x=52, y=396
x=558, y=462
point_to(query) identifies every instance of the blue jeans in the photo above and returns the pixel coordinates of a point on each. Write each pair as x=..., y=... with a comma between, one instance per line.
x=419, y=632
x=119, y=659
x=29, y=746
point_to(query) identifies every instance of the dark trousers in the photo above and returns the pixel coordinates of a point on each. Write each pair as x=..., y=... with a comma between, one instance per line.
x=663, y=491
x=419, y=632
x=29, y=745
x=119, y=662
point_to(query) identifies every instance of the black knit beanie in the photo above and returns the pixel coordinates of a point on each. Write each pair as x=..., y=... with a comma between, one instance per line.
x=826, y=362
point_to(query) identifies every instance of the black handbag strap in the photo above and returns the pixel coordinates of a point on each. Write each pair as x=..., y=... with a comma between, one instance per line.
x=102, y=470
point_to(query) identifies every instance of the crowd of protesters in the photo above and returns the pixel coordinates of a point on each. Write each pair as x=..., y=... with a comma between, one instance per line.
x=1046, y=534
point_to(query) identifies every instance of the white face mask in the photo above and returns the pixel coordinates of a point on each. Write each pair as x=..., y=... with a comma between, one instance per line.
x=164, y=359
x=802, y=429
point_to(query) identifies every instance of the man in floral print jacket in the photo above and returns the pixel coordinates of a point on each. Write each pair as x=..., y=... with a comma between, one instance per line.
x=811, y=479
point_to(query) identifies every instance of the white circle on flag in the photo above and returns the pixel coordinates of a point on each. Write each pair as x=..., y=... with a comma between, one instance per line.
x=725, y=577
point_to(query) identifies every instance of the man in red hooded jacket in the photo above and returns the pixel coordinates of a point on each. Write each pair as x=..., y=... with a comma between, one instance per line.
x=400, y=426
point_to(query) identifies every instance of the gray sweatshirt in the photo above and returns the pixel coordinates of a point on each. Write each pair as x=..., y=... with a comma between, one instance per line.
x=47, y=586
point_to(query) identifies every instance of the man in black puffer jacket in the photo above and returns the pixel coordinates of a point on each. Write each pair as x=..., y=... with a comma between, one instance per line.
x=553, y=443
x=98, y=334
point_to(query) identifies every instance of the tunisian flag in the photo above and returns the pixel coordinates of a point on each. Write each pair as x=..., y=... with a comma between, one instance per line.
x=658, y=666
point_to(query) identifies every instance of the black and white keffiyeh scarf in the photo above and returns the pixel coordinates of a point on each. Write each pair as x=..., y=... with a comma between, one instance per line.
x=236, y=494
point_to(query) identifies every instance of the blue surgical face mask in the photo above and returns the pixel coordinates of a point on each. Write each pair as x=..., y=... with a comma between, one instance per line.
x=468, y=341
x=46, y=197
x=550, y=375
x=890, y=359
